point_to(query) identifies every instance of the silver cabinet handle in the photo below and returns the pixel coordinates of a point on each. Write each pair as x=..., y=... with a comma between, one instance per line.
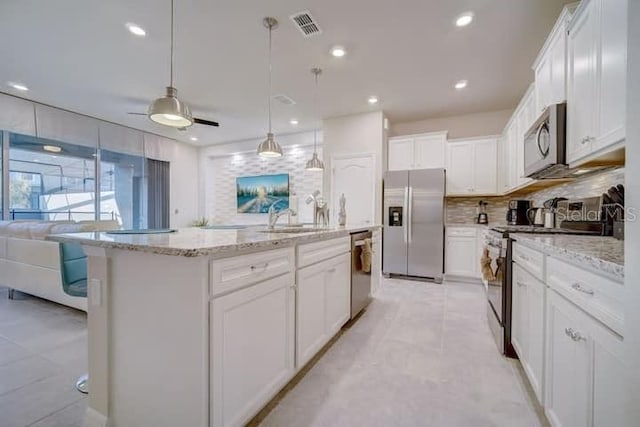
x=586, y=139
x=568, y=332
x=524, y=257
x=574, y=335
x=578, y=287
x=521, y=283
x=262, y=268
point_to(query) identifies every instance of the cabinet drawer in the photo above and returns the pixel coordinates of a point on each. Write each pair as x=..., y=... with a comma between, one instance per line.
x=529, y=259
x=461, y=232
x=312, y=253
x=237, y=272
x=600, y=297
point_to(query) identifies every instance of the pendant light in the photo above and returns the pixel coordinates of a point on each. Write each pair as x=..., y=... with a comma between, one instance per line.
x=315, y=164
x=269, y=147
x=169, y=110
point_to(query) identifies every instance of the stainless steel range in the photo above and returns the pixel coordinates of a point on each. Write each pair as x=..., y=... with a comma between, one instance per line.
x=498, y=246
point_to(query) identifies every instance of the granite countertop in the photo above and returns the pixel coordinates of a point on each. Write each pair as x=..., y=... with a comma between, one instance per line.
x=602, y=254
x=468, y=224
x=193, y=242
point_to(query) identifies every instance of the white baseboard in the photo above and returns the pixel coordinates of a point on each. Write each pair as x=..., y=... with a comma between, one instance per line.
x=93, y=418
x=465, y=279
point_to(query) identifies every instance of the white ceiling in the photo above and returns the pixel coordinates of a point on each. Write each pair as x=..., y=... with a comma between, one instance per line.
x=77, y=54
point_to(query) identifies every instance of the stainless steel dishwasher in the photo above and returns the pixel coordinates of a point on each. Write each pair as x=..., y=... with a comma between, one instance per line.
x=361, y=258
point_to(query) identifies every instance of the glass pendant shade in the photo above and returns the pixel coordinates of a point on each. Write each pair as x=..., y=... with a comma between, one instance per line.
x=170, y=111
x=269, y=147
x=315, y=164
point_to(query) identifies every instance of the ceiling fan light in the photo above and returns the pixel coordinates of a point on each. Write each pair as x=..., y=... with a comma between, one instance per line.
x=315, y=164
x=269, y=148
x=170, y=111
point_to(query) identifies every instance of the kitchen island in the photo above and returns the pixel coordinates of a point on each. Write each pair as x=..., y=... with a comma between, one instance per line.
x=203, y=327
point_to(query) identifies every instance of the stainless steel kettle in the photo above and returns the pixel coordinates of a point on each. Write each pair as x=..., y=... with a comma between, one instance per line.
x=536, y=216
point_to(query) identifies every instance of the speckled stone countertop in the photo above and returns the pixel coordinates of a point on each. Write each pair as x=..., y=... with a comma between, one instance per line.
x=602, y=254
x=193, y=242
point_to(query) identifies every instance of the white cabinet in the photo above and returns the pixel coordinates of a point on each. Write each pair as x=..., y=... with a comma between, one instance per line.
x=550, y=67
x=525, y=118
x=17, y=115
x=461, y=252
x=597, y=45
x=376, y=266
x=424, y=151
x=527, y=336
x=472, y=166
x=252, y=348
x=568, y=376
x=323, y=304
x=509, y=179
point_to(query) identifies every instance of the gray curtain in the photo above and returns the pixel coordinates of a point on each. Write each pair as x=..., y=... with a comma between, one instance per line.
x=158, y=200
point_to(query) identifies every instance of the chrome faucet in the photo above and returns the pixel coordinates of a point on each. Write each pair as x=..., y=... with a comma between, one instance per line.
x=273, y=215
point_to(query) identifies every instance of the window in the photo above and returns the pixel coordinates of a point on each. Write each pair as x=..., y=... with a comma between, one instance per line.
x=50, y=180
x=123, y=189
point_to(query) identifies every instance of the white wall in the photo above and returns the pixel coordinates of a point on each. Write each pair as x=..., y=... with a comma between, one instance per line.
x=220, y=165
x=355, y=134
x=184, y=200
x=632, y=200
x=465, y=126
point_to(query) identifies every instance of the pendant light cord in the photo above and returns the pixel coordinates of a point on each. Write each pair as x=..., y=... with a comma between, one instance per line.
x=315, y=101
x=171, y=48
x=270, y=29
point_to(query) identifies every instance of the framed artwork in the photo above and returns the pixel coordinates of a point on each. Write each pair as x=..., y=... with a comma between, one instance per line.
x=256, y=194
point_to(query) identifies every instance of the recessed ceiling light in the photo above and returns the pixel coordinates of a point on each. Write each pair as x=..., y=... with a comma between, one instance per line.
x=338, y=51
x=18, y=86
x=194, y=138
x=461, y=84
x=52, y=148
x=373, y=100
x=135, y=29
x=294, y=122
x=464, y=19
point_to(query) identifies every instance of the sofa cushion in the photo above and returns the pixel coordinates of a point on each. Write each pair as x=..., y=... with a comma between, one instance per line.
x=85, y=226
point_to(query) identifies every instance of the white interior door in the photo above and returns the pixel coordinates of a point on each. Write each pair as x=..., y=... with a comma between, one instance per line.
x=354, y=176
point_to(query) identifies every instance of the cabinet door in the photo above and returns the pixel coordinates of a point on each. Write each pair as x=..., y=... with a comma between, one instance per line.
x=252, y=348
x=310, y=312
x=519, y=314
x=485, y=174
x=612, y=64
x=525, y=118
x=429, y=151
x=558, y=67
x=17, y=115
x=568, y=376
x=461, y=256
x=337, y=293
x=401, y=154
x=460, y=168
x=535, y=334
x=581, y=99
x=543, y=82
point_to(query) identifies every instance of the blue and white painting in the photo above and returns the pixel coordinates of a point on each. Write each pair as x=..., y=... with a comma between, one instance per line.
x=256, y=194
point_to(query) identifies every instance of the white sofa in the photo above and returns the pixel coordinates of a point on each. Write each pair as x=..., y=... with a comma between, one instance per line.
x=31, y=264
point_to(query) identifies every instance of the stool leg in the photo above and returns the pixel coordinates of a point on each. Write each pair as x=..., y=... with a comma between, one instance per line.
x=82, y=385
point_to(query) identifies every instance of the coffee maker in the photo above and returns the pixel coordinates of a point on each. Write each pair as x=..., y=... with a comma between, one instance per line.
x=481, y=213
x=517, y=212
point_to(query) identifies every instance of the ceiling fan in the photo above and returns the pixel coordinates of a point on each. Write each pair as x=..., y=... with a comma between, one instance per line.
x=169, y=110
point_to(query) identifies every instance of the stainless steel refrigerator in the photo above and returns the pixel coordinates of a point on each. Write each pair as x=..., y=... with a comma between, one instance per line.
x=413, y=233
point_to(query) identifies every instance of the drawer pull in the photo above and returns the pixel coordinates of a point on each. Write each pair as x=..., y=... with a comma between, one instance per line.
x=521, y=283
x=578, y=287
x=524, y=257
x=260, y=269
x=574, y=335
x=568, y=332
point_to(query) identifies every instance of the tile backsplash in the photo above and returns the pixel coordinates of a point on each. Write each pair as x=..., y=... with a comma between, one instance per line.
x=462, y=210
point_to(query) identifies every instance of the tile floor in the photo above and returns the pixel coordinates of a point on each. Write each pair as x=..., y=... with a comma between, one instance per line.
x=421, y=355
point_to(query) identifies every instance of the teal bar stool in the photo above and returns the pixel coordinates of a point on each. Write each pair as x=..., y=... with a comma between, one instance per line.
x=73, y=268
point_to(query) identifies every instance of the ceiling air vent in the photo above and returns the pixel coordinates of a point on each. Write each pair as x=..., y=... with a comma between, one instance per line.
x=284, y=99
x=306, y=24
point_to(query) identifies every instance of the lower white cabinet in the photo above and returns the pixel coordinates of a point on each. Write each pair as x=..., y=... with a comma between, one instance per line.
x=252, y=348
x=527, y=320
x=585, y=371
x=323, y=304
x=463, y=249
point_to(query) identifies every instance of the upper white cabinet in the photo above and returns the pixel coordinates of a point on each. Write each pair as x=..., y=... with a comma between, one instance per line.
x=472, y=166
x=425, y=151
x=17, y=115
x=597, y=46
x=525, y=117
x=60, y=125
x=550, y=67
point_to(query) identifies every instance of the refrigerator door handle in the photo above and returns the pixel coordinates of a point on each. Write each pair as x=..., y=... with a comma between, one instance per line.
x=405, y=208
x=409, y=214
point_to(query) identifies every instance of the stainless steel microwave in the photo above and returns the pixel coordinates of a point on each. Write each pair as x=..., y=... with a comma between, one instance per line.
x=545, y=148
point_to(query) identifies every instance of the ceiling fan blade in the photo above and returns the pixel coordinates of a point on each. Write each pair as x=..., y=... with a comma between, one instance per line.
x=205, y=122
x=137, y=114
